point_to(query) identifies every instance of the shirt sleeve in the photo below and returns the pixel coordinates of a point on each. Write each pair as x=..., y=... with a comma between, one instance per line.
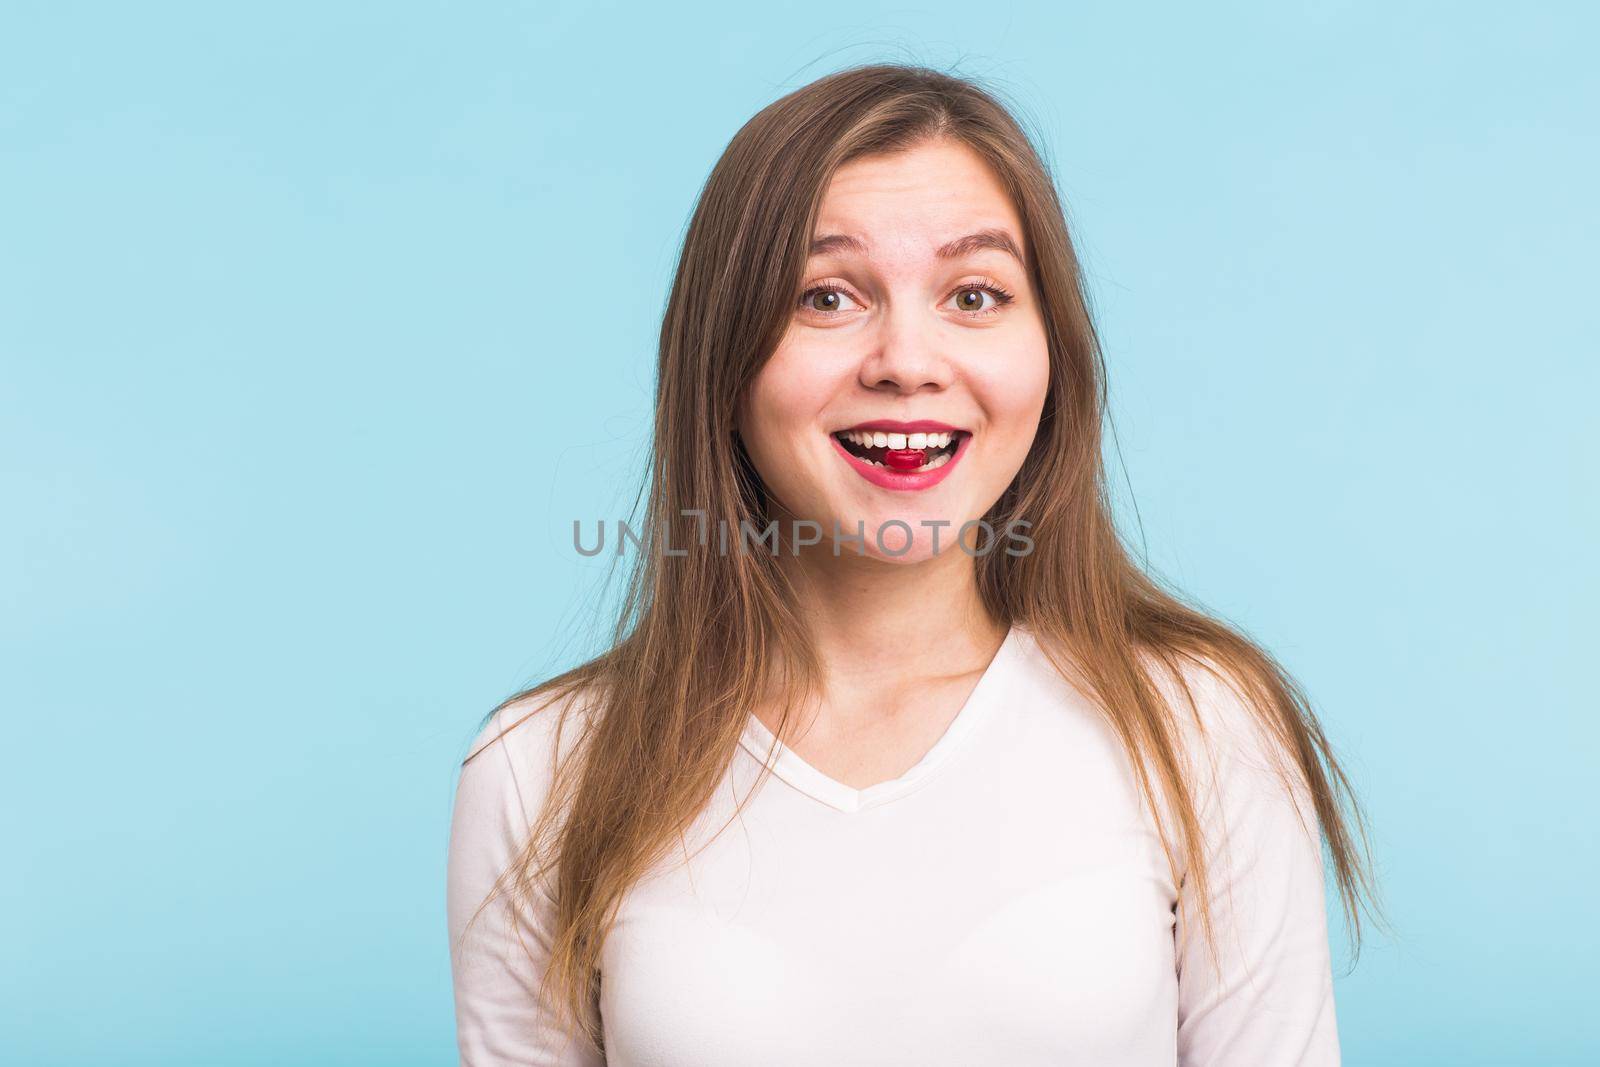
x=1266, y=997
x=498, y=958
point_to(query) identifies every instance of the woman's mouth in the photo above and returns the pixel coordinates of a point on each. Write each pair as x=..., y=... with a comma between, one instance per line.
x=901, y=457
x=900, y=451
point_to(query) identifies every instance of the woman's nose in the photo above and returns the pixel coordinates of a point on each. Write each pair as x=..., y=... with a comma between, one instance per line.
x=906, y=353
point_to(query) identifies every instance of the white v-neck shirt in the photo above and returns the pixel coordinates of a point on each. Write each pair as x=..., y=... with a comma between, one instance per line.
x=1004, y=902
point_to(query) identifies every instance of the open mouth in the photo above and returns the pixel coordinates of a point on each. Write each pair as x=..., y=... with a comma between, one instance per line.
x=904, y=453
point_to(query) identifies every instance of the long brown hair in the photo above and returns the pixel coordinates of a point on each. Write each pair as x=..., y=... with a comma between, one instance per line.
x=695, y=635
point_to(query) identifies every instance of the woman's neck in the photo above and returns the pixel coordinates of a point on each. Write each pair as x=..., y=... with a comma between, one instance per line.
x=873, y=619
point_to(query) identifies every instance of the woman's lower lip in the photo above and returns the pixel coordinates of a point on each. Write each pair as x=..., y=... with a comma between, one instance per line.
x=911, y=480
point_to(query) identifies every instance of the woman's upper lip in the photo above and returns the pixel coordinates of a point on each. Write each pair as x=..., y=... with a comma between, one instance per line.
x=898, y=426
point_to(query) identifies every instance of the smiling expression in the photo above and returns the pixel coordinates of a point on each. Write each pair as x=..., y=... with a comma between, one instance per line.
x=910, y=382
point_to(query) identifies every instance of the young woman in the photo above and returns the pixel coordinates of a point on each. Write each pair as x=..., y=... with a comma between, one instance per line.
x=897, y=757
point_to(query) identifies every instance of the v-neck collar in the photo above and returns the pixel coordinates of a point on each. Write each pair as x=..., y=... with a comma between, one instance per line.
x=761, y=743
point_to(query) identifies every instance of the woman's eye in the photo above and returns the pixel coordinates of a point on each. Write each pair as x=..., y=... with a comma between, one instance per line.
x=969, y=298
x=825, y=299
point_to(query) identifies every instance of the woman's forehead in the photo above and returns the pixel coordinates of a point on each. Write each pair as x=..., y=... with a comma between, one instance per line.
x=936, y=200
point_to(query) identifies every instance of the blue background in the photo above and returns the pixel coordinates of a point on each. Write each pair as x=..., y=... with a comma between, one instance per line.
x=321, y=323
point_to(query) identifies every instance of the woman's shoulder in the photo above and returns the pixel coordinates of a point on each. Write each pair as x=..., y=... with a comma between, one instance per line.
x=1210, y=701
x=527, y=737
x=507, y=780
x=1220, y=720
x=1231, y=731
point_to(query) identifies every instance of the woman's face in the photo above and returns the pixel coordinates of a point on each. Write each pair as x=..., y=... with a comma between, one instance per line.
x=911, y=379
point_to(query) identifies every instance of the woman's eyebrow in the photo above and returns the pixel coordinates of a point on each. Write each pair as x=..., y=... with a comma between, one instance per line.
x=996, y=239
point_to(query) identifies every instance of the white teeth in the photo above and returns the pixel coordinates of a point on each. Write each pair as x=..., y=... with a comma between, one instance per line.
x=880, y=439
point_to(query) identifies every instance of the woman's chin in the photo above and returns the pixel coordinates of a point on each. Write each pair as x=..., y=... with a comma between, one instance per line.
x=919, y=552
x=896, y=538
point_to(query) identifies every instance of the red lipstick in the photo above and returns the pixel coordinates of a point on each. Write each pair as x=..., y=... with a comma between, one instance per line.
x=897, y=426
x=905, y=468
